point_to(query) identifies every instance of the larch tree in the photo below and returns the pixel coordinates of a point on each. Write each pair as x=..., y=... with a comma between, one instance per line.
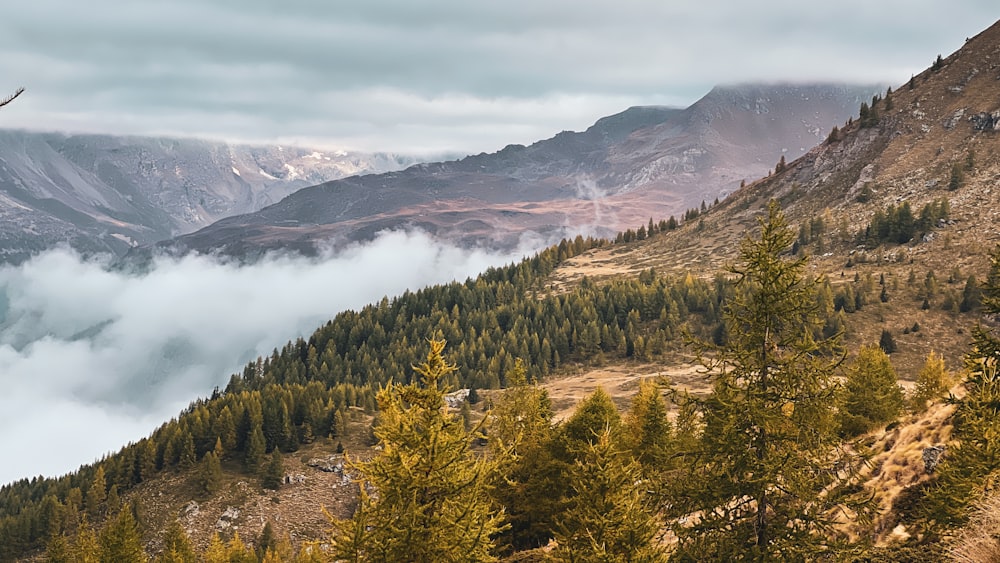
x=520, y=435
x=120, y=539
x=933, y=382
x=971, y=466
x=425, y=496
x=608, y=519
x=177, y=547
x=872, y=395
x=757, y=477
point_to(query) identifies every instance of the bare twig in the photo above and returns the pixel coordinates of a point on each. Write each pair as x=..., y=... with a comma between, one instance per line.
x=10, y=98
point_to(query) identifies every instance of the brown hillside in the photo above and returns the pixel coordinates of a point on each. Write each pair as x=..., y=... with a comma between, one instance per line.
x=949, y=113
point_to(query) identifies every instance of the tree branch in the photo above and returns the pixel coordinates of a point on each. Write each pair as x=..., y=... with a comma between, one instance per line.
x=10, y=98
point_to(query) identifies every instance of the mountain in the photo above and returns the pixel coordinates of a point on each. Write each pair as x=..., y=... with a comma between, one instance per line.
x=587, y=313
x=931, y=140
x=645, y=161
x=105, y=193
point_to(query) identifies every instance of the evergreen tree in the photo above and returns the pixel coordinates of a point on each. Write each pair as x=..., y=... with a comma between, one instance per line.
x=86, y=548
x=210, y=472
x=872, y=396
x=97, y=493
x=216, y=551
x=759, y=478
x=957, y=178
x=933, y=382
x=607, y=519
x=274, y=473
x=177, y=546
x=58, y=550
x=120, y=540
x=886, y=341
x=834, y=135
x=647, y=428
x=520, y=434
x=971, y=467
x=593, y=415
x=431, y=500
x=256, y=449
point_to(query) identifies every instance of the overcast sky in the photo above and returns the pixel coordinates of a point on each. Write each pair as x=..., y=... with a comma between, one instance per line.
x=427, y=76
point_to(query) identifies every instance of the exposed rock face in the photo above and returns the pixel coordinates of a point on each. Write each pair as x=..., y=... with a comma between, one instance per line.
x=984, y=121
x=105, y=193
x=644, y=162
x=932, y=457
x=332, y=464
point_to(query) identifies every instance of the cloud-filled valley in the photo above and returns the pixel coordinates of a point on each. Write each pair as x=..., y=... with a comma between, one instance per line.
x=92, y=357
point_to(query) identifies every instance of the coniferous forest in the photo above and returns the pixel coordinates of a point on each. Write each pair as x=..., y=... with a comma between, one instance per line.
x=758, y=469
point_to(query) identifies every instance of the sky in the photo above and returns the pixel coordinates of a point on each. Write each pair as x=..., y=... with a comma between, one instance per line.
x=435, y=76
x=87, y=366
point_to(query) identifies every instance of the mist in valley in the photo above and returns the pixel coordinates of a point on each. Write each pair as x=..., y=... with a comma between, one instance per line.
x=92, y=357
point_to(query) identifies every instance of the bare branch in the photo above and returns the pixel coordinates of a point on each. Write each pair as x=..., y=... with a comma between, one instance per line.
x=10, y=98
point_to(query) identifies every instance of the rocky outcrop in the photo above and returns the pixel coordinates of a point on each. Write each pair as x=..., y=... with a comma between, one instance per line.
x=932, y=457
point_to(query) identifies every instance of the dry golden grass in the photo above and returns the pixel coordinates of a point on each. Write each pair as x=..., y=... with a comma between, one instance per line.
x=979, y=542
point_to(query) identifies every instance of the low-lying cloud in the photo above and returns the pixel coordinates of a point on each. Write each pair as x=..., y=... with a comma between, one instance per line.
x=91, y=358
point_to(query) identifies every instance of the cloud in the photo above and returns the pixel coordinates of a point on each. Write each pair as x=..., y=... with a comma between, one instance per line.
x=92, y=357
x=395, y=75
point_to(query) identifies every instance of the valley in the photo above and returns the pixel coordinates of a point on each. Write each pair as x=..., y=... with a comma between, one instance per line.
x=727, y=356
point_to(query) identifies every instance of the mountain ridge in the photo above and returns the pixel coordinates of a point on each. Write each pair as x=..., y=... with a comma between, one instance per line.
x=103, y=193
x=642, y=162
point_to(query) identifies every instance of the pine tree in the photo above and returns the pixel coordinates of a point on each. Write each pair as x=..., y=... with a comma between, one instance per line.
x=872, y=396
x=216, y=551
x=210, y=471
x=86, y=548
x=58, y=550
x=761, y=468
x=97, y=493
x=834, y=135
x=886, y=341
x=647, y=428
x=256, y=446
x=957, y=178
x=177, y=546
x=274, y=473
x=607, y=519
x=933, y=382
x=431, y=497
x=119, y=540
x=970, y=468
x=520, y=434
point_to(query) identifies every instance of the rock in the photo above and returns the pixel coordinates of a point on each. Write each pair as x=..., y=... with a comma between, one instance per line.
x=227, y=519
x=456, y=398
x=952, y=121
x=932, y=456
x=984, y=121
x=333, y=464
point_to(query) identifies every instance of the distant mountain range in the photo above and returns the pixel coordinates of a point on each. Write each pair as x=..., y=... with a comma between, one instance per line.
x=641, y=163
x=103, y=193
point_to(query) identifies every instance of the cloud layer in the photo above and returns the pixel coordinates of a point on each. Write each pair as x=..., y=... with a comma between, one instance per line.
x=435, y=75
x=91, y=358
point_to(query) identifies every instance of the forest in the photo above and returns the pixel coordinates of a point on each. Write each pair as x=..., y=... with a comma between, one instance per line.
x=742, y=473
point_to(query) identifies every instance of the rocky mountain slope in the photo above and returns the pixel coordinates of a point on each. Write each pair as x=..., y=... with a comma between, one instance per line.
x=645, y=161
x=934, y=138
x=106, y=193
